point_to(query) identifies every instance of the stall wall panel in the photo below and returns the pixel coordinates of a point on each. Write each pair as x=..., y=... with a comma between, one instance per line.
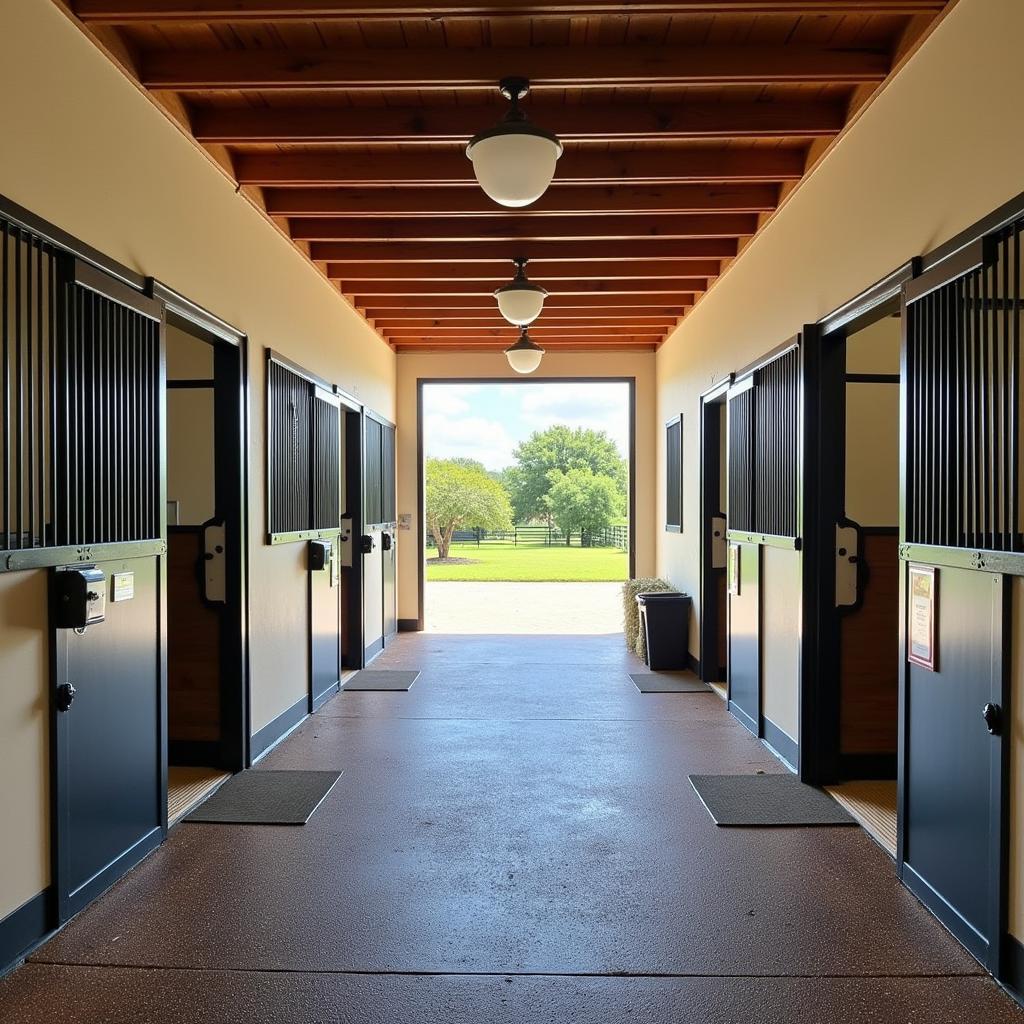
x=873, y=454
x=869, y=654
x=109, y=746
x=744, y=631
x=947, y=828
x=24, y=738
x=875, y=348
x=190, y=454
x=916, y=201
x=780, y=639
x=1016, y=880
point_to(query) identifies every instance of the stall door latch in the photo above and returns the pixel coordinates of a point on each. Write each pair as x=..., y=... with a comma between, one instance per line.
x=993, y=715
x=65, y=696
x=847, y=569
x=719, y=545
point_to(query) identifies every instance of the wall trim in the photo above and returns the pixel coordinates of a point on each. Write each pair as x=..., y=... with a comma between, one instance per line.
x=270, y=735
x=23, y=929
x=409, y=626
x=780, y=743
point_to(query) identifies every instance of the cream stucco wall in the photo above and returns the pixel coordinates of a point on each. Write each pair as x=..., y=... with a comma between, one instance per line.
x=86, y=150
x=414, y=366
x=900, y=182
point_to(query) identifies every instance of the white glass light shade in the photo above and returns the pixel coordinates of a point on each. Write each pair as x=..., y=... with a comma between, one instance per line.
x=520, y=303
x=525, y=355
x=514, y=167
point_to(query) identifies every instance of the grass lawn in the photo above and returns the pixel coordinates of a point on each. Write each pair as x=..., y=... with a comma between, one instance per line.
x=532, y=563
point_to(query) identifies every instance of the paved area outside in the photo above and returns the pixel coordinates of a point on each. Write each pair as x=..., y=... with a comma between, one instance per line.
x=513, y=840
x=524, y=608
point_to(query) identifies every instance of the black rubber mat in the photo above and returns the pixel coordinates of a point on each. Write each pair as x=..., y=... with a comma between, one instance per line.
x=381, y=679
x=668, y=682
x=264, y=797
x=763, y=801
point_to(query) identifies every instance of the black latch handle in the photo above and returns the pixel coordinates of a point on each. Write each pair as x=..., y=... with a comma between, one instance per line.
x=993, y=715
x=65, y=696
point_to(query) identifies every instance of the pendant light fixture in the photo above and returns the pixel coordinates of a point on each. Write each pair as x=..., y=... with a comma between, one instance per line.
x=520, y=301
x=514, y=161
x=525, y=355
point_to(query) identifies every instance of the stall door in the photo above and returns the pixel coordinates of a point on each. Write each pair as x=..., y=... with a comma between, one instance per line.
x=324, y=552
x=961, y=531
x=106, y=617
x=389, y=538
x=763, y=429
x=743, y=570
x=373, y=539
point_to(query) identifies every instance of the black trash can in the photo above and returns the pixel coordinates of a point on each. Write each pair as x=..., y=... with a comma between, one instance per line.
x=665, y=620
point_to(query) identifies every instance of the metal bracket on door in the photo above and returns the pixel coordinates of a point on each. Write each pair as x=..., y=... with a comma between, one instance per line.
x=215, y=575
x=346, y=542
x=719, y=545
x=847, y=565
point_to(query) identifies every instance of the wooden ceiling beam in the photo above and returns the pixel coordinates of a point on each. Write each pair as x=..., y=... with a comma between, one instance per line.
x=499, y=273
x=127, y=12
x=612, y=345
x=478, y=253
x=472, y=67
x=578, y=166
x=580, y=123
x=474, y=315
x=369, y=289
x=431, y=325
x=549, y=344
x=472, y=202
x=539, y=330
x=521, y=228
x=433, y=304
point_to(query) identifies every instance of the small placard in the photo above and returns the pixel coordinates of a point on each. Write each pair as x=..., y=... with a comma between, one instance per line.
x=733, y=572
x=405, y=521
x=921, y=604
x=123, y=586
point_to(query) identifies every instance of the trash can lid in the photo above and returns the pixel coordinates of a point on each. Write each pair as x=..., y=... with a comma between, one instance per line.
x=658, y=595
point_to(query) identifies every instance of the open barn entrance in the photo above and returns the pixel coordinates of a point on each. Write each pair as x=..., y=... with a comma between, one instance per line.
x=527, y=505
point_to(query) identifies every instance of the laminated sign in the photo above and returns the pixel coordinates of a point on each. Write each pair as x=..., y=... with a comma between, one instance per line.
x=921, y=611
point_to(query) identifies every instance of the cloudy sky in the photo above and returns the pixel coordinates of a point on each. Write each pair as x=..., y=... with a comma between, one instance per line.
x=486, y=421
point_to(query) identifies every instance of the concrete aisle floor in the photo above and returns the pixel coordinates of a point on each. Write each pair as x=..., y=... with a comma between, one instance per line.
x=513, y=840
x=523, y=608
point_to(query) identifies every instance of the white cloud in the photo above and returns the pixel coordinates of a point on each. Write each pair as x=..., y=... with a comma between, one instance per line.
x=590, y=406
x=447, y=402
x=470, y=437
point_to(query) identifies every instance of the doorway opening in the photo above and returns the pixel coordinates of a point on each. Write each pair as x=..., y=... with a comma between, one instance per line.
x=527, y=505
x=861, y=649
x=714, y=620
x=207, y=705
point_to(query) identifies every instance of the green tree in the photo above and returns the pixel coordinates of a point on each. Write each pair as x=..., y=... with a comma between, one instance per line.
x=460, y=496
x=564, y=449
x=583, y=502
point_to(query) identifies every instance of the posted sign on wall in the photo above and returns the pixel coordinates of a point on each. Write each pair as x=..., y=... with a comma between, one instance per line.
x=922, y=594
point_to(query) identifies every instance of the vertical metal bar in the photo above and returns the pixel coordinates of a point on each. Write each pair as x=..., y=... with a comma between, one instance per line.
x=30, y=394
x=1014, y=390
x=1005, y=387
x=6, y=331
x=52, y=447
x=39, y=528
x=19, y=398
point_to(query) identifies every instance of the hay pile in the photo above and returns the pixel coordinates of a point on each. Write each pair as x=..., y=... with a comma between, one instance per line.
x=635, y=639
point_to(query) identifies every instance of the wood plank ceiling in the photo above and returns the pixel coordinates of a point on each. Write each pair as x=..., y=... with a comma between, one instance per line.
x=684, y=122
